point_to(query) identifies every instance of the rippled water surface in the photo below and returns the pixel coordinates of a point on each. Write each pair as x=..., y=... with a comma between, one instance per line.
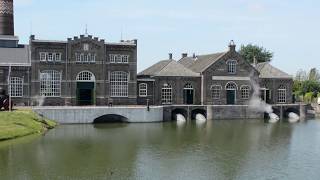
x=216, y=150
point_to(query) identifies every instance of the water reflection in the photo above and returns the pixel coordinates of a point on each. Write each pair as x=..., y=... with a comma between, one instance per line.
x=219, y=149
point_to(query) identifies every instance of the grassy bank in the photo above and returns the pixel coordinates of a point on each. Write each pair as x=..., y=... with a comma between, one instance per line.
x=22, y=123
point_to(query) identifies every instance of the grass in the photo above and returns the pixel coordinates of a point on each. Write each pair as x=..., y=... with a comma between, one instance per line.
x=20, y=123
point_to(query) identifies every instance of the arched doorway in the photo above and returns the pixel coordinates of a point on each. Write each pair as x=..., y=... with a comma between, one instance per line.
x=85, y=88
x=231, y=89
x=188, y=94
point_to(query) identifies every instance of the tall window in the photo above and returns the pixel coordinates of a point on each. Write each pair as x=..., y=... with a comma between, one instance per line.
x=86, y=57
x=245, y=92
x=118, y=58
x=216, y=91
x=282, y=93
x=16, y=87
x=143, y=90
x=50, y=83
x=232, y=66
x=50, y=56
x=119, y=84
x=166, y=94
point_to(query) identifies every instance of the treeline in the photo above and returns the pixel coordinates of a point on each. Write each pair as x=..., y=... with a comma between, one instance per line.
x=306, y=85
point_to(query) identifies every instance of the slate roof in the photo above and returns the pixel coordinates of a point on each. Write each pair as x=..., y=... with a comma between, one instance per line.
x=187, y=61
x=203, y=61
x=266, y=70
x=169, y=68
x=15, y=56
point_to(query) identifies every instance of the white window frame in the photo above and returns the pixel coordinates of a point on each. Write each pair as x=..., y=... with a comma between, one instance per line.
x=58, y=57
x=282, y=94
x=216, y=91
x=143, y=90
x=119, y=59
x=16, y=87
x=119, y=81
x=245, y=91
x=232, y=66
x=85, y=76
x=43, y=56
x=50, y=57
x=166, y=94
x=86, y=47
x=50, y=83
x=78, y=57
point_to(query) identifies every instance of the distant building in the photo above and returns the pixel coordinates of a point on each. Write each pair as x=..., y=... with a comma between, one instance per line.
x=214, y=79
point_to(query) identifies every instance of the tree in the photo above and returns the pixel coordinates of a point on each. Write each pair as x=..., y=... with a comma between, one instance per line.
x=250, y=51
x=301, y=75
x=314, y=75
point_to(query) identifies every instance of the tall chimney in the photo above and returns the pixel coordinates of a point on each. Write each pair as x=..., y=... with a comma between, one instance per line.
x=6, y=17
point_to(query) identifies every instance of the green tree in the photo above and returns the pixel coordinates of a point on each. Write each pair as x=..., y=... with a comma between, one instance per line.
x=314, y=75
x=310, y=86
x=250, y=51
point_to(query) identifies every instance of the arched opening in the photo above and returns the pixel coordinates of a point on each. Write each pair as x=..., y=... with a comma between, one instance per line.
x=188, y=94
x=291, y=110
x=179, y=111
x=198, y=111
x=85, y=88
x=110, y=118
x=231, y=89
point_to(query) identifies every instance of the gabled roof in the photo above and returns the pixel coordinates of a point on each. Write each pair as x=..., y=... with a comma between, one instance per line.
x=203, y=61
x=187, y=61
x=14, y=56
x=266, y=70
x=169, y=68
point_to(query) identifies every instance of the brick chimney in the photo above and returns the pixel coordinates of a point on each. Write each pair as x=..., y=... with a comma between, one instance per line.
x=184, y=55
x=6, y=18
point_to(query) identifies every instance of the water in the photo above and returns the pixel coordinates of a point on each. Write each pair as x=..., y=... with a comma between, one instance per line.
x=217, y=150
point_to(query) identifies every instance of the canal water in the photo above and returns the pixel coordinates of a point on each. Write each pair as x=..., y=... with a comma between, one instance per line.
x=216, y=150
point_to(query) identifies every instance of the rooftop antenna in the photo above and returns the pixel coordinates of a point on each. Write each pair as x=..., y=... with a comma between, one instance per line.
x=121, y=34
x=86, y=30
x=30, y=27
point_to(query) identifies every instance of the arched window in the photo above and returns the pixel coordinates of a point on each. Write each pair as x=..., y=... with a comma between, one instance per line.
x=16, y=87
x=50, y=83
x=119, y=84
x=86, y=76
x=282, y=94
x=232, y=66
x=188, y=86
x=166, y=94
x=216, y=91
x=245, y=92
x=231, y=86
x=143, y=90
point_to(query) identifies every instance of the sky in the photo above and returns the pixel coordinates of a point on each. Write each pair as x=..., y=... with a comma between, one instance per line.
x=288, y=28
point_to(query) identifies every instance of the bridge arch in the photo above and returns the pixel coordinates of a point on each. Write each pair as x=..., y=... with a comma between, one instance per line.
x=181, y=111
x=291, y=110
x=198, y=111
x=110, y=118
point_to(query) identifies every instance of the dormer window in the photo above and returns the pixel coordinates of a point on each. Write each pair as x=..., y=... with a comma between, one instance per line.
x=232, y=66
x=86, y=47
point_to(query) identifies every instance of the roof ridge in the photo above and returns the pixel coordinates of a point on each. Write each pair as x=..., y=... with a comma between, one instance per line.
x=170, y=60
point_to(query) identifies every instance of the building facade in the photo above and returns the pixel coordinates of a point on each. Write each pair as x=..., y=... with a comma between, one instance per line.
x=214, y=79
x=85, y=70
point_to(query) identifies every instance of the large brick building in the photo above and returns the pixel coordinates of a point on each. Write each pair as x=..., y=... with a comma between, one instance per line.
x=86, y=70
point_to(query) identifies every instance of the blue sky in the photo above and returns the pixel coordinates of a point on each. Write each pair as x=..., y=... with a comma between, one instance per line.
x=289, y=28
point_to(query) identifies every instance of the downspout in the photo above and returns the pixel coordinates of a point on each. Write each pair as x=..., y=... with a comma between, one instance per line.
x=202, y=89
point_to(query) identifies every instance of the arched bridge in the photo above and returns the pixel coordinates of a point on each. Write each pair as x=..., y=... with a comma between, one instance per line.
x=85, y=115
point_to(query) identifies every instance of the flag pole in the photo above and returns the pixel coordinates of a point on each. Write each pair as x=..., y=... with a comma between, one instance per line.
x=9, y=87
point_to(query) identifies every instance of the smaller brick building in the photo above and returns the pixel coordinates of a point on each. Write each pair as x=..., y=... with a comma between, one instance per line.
x=215, y=79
